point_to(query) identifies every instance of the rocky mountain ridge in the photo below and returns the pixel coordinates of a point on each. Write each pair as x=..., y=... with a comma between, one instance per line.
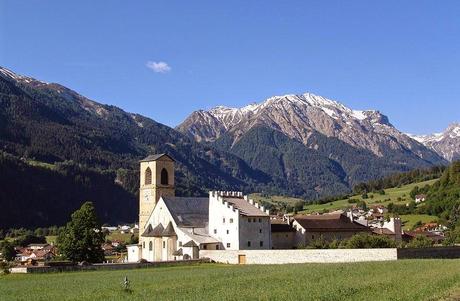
x=298, y=117
x=446, y=144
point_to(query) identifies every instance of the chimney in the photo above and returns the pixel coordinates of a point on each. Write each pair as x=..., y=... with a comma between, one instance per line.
x=397, y=229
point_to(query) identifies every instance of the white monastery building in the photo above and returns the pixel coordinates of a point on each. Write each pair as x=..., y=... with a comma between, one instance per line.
x=173, y=228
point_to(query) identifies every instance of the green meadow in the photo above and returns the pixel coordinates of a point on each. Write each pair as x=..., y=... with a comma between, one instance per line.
x=397, y=280
x=397, y=195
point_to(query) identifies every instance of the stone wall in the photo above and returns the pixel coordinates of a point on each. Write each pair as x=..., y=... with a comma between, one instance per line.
x=101, y=266
x=437, y=252
x=299, y=256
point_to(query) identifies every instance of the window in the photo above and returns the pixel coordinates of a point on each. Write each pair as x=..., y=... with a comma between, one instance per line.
x=215, y=231
x=223, y=220
x=205, y=247
x=217, y=247
x=249, y=243
x=249, y=220
x=260, y=220
x=164, y=177
x=261, y=243
x=260, y=230
x=231, y=220
x=312, y=237
x=228, y=245
x=148, y=176
x=143, y=245
x=164, y=244
x=180, y=244
x=228, y=231
x=150, y=246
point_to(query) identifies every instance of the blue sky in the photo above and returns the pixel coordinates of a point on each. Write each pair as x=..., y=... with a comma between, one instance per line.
x=164, y=59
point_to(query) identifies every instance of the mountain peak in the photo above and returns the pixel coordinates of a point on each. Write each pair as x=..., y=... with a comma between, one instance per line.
x=5, y=72
x=446, y=144
x=299, y=116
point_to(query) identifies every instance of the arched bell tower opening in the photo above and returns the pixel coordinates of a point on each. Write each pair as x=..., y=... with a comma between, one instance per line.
x=156, y=180
x=148, y=176
x=164, y=177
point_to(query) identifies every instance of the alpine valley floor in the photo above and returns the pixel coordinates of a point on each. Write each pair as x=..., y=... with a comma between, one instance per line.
x=398, y=280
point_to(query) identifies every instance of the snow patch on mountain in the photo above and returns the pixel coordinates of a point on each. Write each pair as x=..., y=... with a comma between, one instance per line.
x=24, y=79
x=446, y=144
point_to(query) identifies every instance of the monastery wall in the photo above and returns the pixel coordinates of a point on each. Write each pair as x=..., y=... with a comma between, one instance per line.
x=299, y=256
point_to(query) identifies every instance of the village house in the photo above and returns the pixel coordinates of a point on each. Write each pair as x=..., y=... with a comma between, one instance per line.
x=174, y=228
x=420, y=198
x=283, y=234
x=392, y=228
x=36, y=252
x=328, y=226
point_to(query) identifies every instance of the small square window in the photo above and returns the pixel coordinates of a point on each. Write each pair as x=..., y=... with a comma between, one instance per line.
x=261, y=243
x=249, y=243
x=231, y=220
x=228, y=245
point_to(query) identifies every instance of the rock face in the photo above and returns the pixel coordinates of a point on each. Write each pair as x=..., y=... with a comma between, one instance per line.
x=446, y=144
x=300, y=116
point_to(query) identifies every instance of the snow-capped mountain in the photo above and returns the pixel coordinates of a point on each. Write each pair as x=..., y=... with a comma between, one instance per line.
x=299, y=116
x=446, y=144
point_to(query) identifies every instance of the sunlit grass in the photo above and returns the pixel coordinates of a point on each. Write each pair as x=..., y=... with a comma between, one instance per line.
x=397, y=280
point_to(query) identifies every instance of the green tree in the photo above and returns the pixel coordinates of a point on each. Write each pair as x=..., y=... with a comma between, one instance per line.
x=364, y=241
x=82, y=238
x=420, y=241
x=8, y=251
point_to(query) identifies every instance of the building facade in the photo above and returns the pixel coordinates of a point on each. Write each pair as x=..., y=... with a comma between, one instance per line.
x=172, y=228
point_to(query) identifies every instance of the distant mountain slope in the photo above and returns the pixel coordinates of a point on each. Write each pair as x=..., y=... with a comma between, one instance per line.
x=50, y=123
x=446, y=144
x=311, y=134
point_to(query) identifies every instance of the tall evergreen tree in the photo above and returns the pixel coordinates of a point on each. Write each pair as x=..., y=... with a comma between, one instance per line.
x=82, y=237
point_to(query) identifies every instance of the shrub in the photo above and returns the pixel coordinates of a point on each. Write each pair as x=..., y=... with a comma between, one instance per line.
x=420, y=241
x=364, y=241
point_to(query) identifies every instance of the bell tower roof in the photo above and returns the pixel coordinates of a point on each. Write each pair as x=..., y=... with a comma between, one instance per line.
x=157, y=157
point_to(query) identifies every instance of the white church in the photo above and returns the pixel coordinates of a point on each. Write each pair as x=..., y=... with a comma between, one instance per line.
x=176, y=228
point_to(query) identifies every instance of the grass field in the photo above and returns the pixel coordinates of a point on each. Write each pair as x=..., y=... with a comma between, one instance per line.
x=398, y=280
x=391, y=196
x=276, y=200
x=409, y=220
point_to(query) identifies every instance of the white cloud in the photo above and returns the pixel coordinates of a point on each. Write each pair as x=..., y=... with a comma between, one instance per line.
x=158, y=67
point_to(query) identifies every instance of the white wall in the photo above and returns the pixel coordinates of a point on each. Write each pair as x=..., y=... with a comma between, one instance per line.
x=133, y=253
x=218, y=211
x=300, y=256
x=240, y=231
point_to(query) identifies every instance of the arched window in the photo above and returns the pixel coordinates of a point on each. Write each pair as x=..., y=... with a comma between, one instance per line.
x=148, y=176
x=164, y=177
x=150, y=246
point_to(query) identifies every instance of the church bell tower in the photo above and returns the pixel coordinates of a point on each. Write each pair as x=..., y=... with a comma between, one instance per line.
x=156, y=180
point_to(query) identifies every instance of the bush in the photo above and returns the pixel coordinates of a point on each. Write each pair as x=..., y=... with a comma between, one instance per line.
x=365, y=241
x=319, y=243
x=420, y=241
